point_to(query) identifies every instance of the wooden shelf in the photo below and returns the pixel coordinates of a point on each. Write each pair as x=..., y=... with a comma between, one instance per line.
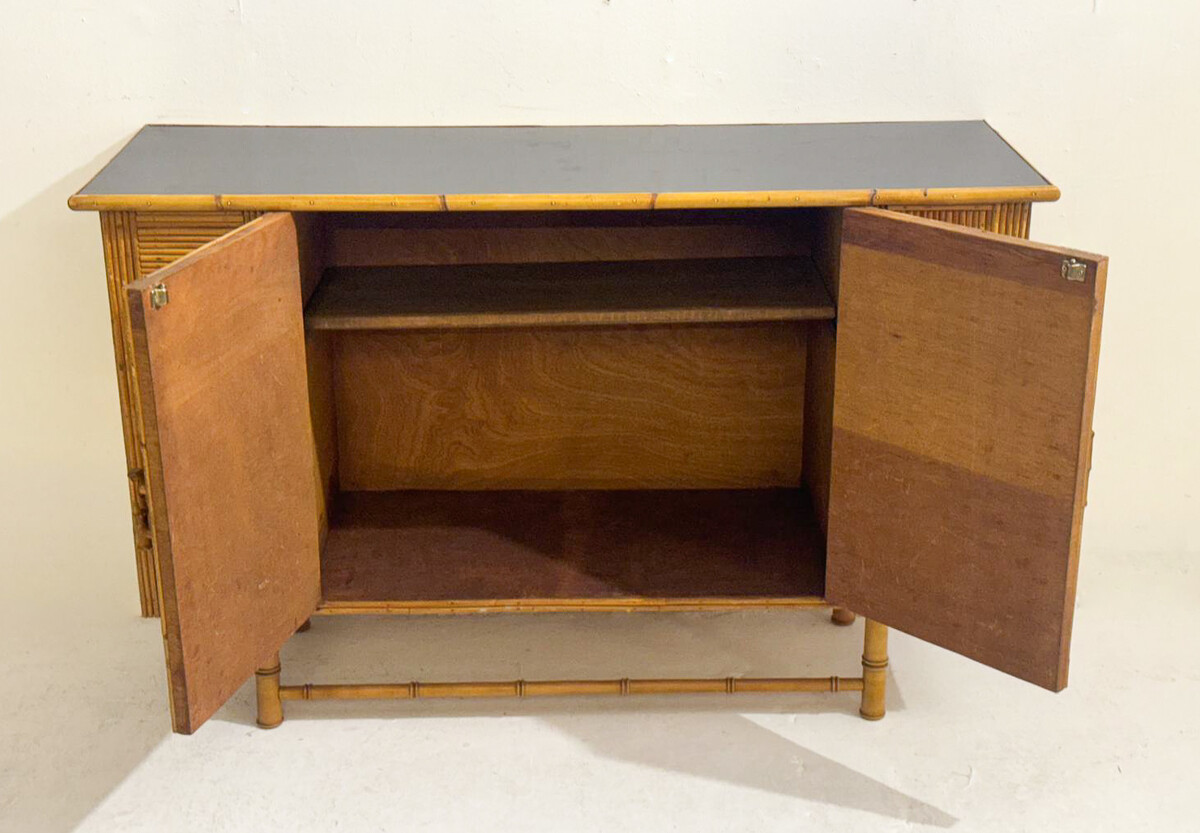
x=564, y=294
x=443, y=551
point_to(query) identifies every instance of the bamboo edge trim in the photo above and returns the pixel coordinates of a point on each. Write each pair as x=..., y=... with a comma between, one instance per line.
x=562, y=688
x=874, y=665
x=268, y=695
x=630, y=605
x=551, y=202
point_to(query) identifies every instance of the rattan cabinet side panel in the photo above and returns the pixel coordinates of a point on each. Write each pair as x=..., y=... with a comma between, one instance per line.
x=137, y=243
x=1010, y=218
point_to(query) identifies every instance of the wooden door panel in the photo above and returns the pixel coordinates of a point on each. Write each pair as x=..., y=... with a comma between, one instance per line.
x=230, y=466
x=964, y=385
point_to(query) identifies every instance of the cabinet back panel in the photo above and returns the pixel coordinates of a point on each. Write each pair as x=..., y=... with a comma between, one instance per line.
x=587, y=408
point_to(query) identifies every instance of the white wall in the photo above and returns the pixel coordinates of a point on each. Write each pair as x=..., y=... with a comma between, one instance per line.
x=1100, y=94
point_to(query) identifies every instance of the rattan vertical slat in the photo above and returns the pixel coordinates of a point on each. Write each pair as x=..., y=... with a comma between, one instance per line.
x=1008, y=218
x=137, y=244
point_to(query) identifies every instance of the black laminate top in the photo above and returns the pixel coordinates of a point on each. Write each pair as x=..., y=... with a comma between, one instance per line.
x=204, y=160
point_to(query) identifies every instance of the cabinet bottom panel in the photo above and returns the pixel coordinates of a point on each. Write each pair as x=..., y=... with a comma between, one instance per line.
x=448, y=551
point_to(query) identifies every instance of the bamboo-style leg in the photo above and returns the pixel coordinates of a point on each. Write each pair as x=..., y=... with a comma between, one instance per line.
x=841, y=616
x=307, y=624
x=874, y=664
x=270, y=706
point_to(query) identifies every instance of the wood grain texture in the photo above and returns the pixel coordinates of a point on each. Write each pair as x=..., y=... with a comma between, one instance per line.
x=822, y=351
x=626, y=604
x=599, y=408
x=318, y=348
x=818, y=416
x=1084, y=456
x=408, y=239
x=827, y=248
x=563, y=294
x=311, y=251
x=609, y=545
x=229, y=450
x=964, y=365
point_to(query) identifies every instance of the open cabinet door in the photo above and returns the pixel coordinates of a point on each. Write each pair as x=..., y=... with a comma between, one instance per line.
x=219, y=346
x=965, y=377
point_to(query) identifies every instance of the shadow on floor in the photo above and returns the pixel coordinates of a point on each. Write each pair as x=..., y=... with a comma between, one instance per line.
x=733, y=749
x=91, y=710
x=704, y=736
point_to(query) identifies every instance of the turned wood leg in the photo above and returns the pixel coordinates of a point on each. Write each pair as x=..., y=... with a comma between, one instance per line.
x=307, y=624
x=270, y=706
x=874, y=664
x=841, y=616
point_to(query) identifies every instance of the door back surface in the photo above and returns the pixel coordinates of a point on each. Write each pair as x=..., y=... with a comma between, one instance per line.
x=220, y=367
x=965, y=378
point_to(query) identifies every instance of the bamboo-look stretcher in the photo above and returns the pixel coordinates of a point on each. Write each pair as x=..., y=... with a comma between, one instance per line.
x=872, y=684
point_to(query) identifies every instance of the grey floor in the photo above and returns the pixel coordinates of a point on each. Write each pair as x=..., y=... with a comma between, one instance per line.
x=85, y=741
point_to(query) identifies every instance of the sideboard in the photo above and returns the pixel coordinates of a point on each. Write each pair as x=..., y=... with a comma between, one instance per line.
x=369, y=370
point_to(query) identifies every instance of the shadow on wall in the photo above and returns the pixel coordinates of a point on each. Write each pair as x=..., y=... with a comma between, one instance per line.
x=82, y=689
x=55, y=336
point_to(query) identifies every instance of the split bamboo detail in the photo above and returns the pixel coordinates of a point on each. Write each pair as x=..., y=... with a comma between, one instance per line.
x=117, y=230
x=266, y=684
x=1008, y=218
x=872, y=685
x=874, y=663
x=137, y=243
x=561, y=688
x=642, y=201
x=165, y=236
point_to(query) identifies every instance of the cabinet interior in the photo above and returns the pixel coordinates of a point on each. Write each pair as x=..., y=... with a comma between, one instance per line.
x=571, y=408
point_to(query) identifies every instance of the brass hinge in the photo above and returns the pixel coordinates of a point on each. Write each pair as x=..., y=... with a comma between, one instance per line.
x=159, y=296
x=1074, y=270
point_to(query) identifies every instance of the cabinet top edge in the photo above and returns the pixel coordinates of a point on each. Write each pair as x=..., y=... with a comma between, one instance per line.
x=432, y=203
x=261, y=168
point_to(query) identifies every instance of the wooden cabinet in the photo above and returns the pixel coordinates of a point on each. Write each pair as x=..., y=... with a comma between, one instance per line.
x=418, y=370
